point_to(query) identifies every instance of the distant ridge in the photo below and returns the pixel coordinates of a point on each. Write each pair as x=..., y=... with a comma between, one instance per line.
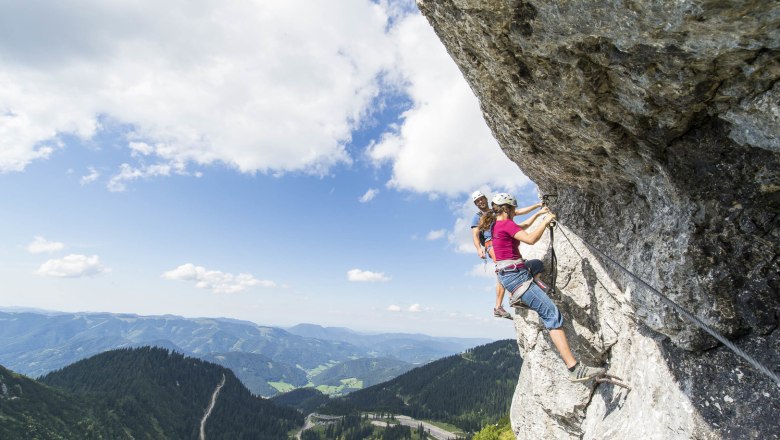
x=409, y=347
x=267, y=360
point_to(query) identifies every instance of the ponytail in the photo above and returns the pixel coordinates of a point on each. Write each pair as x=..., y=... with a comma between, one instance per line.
x=488, y=218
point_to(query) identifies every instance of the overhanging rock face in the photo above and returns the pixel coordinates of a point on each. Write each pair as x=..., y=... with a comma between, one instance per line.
x=658, y=125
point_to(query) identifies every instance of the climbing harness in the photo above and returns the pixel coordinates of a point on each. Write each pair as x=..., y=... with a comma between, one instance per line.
x=730, y=345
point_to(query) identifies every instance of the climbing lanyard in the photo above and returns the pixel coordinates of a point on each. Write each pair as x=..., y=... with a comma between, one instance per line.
x=553, y=258
x=757, y=365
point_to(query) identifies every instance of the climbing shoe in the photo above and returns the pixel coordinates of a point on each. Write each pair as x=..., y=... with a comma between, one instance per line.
x=501, y=313
x=582, y=373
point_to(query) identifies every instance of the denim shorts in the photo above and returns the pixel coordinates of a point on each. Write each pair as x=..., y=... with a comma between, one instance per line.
x=534, y=297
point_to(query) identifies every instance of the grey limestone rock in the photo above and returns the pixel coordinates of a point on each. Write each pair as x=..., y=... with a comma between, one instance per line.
x=657, y=124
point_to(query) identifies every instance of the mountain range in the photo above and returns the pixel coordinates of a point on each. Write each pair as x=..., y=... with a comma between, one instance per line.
x=266, y=359
x=410, y=347
x=156, y=393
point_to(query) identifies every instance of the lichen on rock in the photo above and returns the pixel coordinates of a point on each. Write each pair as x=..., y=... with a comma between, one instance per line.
x=657, y=123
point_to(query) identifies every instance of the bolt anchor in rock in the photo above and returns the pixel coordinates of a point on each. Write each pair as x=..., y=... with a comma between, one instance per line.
x=614, y=380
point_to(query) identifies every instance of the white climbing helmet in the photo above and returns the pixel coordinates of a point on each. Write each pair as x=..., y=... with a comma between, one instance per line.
x=476, y=195
x=504, y=199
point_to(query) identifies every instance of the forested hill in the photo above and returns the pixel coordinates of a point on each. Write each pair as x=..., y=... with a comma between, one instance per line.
x=149, y=393
x=165, y=394
x=466, y=390
x=29, y=409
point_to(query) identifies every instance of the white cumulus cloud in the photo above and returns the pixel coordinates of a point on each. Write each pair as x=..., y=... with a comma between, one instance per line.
x=415, y=308
x=72, y=266
x=214, y=280
x=127, y=173
x=260, y=86
x=40, y=245
x=437, y=234
x=141, y=149
x=366, y=276
x=268, y=87
x=91, y=177
x=393, y=308
x=443, y=144
x=369, y=195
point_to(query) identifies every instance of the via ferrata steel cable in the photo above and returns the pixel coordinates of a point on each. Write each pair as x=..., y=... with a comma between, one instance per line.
x=730, y=345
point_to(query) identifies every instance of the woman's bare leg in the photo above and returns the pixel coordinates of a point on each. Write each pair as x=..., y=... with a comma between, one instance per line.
x=562, y=344
x=499, y=294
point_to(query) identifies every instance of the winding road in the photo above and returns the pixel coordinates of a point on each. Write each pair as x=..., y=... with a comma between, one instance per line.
x=308, y=424
x=434, y=431
x=211, y=407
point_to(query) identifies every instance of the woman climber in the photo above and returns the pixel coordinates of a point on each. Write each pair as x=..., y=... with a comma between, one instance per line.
x=484, y=245
x=515, y=277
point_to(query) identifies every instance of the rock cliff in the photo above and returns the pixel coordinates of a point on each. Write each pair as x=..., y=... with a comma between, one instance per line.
x=657, y=123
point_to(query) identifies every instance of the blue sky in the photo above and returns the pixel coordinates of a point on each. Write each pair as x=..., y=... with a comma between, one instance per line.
x=279, y=162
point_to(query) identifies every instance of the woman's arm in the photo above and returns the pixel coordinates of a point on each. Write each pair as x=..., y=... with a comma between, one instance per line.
x=530, y=220
x=534, y=236
x=527, y=209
